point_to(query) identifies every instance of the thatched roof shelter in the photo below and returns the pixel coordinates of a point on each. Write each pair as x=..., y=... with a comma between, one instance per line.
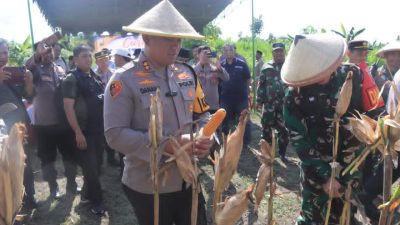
x=89, y=16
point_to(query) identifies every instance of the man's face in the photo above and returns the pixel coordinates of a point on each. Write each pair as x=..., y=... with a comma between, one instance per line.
x=3, y=55
x=84, y=60
x=229, y=52
x=103, y=63
x=393, y=59
x=203, y=57
x=47, y=57
x=162, y=50
x=119, y=61
x=358, y=55
x=279, y=55
x=195, y=53
x=56, y=51
x=258, y=56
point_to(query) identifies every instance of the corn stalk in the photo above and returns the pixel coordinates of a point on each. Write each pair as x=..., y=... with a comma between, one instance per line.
x=195, y=185
x=155, y=132
x=270, y=216
x=341, y=108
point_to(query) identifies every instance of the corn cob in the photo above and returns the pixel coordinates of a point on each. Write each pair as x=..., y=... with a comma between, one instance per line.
x=214, y=122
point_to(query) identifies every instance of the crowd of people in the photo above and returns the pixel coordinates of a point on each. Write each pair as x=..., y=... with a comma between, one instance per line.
x=81, y=112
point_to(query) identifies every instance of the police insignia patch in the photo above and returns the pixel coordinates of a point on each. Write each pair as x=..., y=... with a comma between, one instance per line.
x=146, y=65
x=146, y=82
x=142, y=73
x=183, y=76
x=115, y=88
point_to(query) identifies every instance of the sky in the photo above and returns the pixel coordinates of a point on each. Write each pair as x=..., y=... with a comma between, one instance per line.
x=280, y=17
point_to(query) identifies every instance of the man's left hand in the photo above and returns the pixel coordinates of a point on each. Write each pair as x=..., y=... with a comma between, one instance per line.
x=202, y=146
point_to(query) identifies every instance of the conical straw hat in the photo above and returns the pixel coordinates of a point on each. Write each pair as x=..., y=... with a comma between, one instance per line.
x=391, y=47
x=312, y=58
x=163, y=20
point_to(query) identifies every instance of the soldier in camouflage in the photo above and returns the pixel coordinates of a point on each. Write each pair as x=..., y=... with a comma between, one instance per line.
x=270, y=93
x=309, y=108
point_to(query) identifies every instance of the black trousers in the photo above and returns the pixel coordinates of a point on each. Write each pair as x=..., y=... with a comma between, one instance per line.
x=51, y=138
x=88, y=159
x=29, y=182
x=175, y=208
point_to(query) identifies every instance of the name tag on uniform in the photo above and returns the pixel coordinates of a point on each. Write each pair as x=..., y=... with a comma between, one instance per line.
x=189, y=83
x=145, y=90
x=239, y=67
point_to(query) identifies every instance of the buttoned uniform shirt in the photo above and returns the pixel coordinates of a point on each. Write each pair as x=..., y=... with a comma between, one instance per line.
x=235, y=89
x=127, y=112
x=104, y=76
x=46, y=79
x=209, y=77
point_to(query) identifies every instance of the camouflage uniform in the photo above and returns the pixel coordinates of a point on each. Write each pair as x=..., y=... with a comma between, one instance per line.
x=271, y=92
x=382, y=75
x=308, y=114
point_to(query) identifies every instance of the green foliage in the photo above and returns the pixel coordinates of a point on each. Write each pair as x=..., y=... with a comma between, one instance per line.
x=19, y=53
x=348, y=35
x=69, y=42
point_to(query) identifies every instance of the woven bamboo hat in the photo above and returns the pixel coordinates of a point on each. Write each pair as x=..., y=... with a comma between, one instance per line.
x=163, y=20
x=391, y=47
x=312, y=58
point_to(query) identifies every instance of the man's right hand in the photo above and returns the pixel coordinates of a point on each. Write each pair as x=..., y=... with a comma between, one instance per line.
x=41, y=49
x=335, y=188
x=4, y=75
x=81, y=141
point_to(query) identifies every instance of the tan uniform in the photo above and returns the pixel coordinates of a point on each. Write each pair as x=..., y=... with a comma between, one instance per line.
x=126, y=116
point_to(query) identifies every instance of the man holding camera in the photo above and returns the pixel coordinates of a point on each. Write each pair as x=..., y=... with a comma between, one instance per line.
x=11, y=92
x=51, y=126
x=210, y=75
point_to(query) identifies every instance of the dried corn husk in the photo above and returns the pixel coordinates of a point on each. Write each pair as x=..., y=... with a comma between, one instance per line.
x=229, y=212
x=226, y=162
x=12, y=159
x=184, y=162
x=264, y=172
x=261, y=185
x=344, y=96
x=155, y=137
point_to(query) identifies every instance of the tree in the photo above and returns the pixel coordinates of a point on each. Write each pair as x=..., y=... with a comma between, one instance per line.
x=348, y=35
x=18, y=53
x=212, y=31
x=257, y=25
x=309, y=30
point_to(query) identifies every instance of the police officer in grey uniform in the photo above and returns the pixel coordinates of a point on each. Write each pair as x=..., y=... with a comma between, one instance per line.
x=126, y=114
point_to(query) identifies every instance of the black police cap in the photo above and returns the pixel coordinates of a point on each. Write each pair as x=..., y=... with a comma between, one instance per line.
x=278, y=45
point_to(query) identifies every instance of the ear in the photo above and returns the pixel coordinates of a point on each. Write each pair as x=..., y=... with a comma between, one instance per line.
x=146, y=39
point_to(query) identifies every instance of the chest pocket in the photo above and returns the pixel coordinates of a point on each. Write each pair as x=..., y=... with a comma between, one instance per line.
x=145, y=101
x=188, y=95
